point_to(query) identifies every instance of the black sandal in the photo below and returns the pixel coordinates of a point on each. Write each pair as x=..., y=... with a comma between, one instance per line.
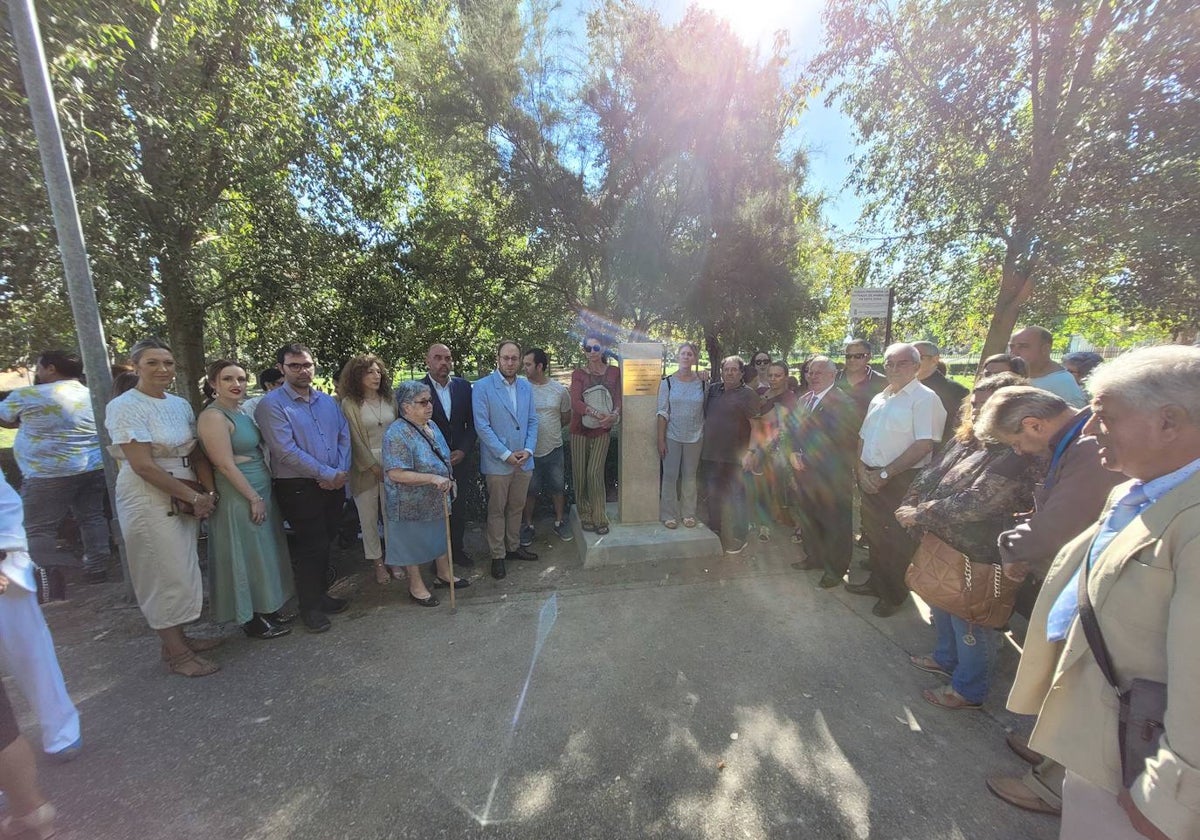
x=459, y=583
x=601, y=529
x=424, y=602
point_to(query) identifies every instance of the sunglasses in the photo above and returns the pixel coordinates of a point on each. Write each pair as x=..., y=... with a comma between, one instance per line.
x=592, y=348
x=761, y=362
x=858, y=355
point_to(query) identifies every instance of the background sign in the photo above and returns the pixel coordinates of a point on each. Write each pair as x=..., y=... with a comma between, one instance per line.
x=869, y=303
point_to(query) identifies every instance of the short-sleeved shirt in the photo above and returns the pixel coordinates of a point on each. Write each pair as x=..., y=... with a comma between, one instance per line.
x=681, y=404
x=406, y=447
x=551, y=400
x=1062, y=383
x=895, y=421
x=57, y=436
x=727, y=422
x=164, y=423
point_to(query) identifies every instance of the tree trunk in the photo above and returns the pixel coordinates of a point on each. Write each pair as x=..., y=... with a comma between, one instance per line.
x=185, y=322
x=712, y=346
x=1016, y=284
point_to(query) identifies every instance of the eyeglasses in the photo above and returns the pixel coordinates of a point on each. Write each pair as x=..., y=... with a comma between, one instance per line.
x=858, y=355
x=296, y=367
x=761, y=362
x=424, y=402
x=592, y=348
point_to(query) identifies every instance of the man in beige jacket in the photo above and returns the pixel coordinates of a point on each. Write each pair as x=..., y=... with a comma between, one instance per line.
x=1143, y=579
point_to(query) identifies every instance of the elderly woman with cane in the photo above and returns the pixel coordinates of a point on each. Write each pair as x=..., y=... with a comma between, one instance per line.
x=416, y=465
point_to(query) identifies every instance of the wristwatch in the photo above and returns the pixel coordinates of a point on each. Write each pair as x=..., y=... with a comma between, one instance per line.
x=883, y=473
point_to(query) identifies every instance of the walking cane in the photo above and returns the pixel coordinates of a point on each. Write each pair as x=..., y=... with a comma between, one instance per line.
x=449, y=548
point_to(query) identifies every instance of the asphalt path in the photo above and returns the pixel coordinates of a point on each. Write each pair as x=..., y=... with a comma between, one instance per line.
x=722, y=698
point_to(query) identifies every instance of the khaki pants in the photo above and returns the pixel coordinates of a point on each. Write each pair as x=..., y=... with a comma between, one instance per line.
x=1092, y=813
x=506, y=501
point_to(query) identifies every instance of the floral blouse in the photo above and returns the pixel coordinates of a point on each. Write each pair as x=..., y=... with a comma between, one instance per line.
x=970, y=494
x=406, y=448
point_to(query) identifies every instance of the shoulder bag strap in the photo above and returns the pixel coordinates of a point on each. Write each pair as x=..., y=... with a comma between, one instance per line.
x=432, y=445
x=1091, y=627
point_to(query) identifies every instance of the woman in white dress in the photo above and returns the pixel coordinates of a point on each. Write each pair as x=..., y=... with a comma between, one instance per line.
x=154, y=437
x=366, y=389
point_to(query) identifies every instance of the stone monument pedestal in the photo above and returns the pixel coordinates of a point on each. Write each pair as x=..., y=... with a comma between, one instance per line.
x=642, y=542
x=635, y=532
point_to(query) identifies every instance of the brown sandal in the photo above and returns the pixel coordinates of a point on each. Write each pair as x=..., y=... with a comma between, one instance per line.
x=947, y=698
x=190, y=665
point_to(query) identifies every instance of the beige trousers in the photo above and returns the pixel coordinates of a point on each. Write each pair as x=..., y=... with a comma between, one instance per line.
x=1089, y=812
x=506, y=501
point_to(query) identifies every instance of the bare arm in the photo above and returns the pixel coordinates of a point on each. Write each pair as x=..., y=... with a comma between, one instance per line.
x=141, y=462
x=214, y=430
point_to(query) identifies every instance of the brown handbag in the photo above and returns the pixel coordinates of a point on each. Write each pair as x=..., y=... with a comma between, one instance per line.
x=947, y=579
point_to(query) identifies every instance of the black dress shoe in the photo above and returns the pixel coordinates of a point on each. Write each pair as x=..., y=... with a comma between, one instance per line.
x=828, y=581
x=498, y=570
x=261, y=627
x=459, y=583
x=461, y=558
x=883, y=609
x=314, y=621
x=333, y=606
x=281, y=617
x=520, y=554
x=864, y=588
x=428, y=601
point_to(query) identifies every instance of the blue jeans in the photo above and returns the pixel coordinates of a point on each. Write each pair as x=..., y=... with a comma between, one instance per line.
x=549, y=474
x=970, y=665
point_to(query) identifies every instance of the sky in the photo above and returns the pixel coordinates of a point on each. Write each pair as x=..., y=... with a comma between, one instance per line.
x=825, y=132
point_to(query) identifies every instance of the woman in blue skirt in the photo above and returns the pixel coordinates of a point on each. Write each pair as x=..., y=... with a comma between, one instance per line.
x=416, y=464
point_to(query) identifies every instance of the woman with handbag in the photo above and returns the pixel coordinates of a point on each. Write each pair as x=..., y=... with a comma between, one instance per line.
x=160, y=504
x=962, y=502
x=366, y=389
x=595, y=410
x=249, y=571
x=417, y=480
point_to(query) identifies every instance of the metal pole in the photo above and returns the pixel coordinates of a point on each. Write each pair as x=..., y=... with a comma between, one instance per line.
x=71, y=247
x=887, y=330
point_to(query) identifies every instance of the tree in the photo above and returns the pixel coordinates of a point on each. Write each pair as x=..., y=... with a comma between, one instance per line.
x=999, y=126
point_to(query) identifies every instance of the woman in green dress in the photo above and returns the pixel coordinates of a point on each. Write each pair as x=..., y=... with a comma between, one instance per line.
x=250, y=576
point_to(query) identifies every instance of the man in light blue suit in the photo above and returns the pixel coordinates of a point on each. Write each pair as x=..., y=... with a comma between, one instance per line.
x=507, y=424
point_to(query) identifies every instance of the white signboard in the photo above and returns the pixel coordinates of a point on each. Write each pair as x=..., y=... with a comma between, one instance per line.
x=869, y=303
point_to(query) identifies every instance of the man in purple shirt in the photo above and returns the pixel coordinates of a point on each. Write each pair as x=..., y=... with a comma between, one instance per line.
x=310, y=460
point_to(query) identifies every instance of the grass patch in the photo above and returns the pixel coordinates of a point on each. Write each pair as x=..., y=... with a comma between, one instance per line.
x=7, y=436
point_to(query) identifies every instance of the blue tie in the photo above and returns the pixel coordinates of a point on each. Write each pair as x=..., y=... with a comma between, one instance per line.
x=1066, y=606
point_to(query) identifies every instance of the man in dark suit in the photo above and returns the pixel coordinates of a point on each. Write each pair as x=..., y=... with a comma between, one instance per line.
x=949, y=392
x=822, y=439
x=454, y=417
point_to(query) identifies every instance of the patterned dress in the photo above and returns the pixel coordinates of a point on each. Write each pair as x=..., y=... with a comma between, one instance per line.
x=414, y=513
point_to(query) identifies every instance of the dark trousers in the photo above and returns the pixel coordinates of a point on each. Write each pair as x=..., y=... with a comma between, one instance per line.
x=458, y=508
x=726, y=491
x=47, y=502
x=826, y=514
x=314, y=515
x=891, y=546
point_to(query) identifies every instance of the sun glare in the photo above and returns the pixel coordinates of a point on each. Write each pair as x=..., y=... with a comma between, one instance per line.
x=756, y=21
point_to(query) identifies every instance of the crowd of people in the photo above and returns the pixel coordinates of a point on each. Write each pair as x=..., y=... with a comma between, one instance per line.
x=1023, y=472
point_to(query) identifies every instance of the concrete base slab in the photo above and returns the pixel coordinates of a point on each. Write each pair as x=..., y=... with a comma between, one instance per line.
x=625, y=544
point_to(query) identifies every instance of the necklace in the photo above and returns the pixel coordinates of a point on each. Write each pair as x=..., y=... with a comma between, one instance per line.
x=376, y=409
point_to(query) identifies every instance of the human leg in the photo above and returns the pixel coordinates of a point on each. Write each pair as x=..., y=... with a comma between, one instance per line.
x=976, y=648
x=87, y=506
x=945, y=650
x=18, y=776
x=891, y=546
x=28, y=651
x=668, y=496
x=597, y=456
x=367, y=503
x=579, y=453
x=46, y=502
x=688, y=468
x=458, y=511
x=304, y=505
x=497, y=487
x=514, y=504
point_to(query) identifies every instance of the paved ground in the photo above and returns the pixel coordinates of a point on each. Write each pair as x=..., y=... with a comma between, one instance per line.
x=725, y=698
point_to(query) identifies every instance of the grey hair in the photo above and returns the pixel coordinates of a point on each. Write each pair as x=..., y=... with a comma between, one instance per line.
x=407, y=393
x=928, y=346
x=822, y=360
x=1003, y=412
x=135, y=353
x=857, y=342
x=1153, y=377
x=913, y=352
x=1086, y=361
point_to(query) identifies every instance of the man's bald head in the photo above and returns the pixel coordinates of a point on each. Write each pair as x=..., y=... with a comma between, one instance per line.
x=438, y=362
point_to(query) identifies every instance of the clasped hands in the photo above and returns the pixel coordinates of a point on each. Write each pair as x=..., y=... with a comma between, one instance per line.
x=518, y=459
x=336, y=483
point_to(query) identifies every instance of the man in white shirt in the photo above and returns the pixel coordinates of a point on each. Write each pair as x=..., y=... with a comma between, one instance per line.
x=552, y=402
x=904, y=425
x=1033, y=344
